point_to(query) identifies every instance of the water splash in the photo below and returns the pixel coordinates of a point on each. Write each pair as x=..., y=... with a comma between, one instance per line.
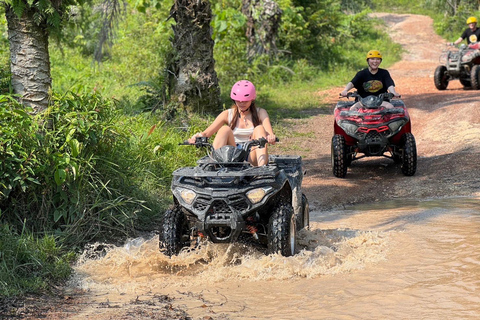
x=321, y=252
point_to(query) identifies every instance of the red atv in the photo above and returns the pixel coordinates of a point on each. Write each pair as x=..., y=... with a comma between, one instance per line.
x=372, y=131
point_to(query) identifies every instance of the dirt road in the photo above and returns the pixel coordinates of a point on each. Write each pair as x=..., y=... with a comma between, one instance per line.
x=446, y=125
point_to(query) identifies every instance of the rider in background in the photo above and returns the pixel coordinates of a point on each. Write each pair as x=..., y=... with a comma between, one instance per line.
x=242, y=122
x=371, y=81
x=472, y=33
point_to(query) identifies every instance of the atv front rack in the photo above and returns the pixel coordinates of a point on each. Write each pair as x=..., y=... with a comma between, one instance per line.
x=376, y=113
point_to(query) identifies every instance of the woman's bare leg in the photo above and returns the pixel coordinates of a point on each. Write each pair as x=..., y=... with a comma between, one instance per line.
x=224, y=137
x=259, y=156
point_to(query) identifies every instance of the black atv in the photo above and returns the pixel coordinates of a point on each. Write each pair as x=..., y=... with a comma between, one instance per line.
x=461, y=64
x=225, y=199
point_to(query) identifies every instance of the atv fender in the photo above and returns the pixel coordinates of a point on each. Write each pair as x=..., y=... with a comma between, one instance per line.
x=292, y=166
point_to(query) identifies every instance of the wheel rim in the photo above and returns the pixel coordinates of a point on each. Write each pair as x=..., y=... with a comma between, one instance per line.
x=292, y=234
x=306, y=216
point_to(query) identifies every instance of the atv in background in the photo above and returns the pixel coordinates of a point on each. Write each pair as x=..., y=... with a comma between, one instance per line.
x=226, y=199
x=372, y=131
x=462, y=64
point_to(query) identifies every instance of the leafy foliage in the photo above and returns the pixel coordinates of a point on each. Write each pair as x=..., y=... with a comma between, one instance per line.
x=18, y=160
x=314, y=37
x=230, y=48
x=55, y=168
x=46, y=12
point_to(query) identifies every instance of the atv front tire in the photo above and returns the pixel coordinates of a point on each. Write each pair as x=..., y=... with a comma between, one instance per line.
x=441, y=78
x=339, y=156
x=409, y=160
x=174, y=233
x=475, y=77
x=467, y=84
x=306, y=212
x=282, y=231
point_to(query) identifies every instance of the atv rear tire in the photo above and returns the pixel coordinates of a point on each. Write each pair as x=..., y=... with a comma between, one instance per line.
x=409, y=161
x=339, y=156
x=475, y=77
x=441, y=78
x=174, y=233
x=282, y=231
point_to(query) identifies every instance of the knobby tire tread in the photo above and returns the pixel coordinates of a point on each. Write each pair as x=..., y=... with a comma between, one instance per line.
x=475, y=77
x=339, y=156
x=440, y=78
x=174, y=226
x=409, y=165
x=279, y=228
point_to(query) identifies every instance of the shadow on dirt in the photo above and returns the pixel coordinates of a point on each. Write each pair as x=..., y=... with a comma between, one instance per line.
x=377, y=179
x=443, y=99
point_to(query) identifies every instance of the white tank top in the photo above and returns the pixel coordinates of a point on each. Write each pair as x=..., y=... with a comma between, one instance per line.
x=241, y=135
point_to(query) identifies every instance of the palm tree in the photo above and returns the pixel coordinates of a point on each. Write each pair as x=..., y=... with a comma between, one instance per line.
x=29, y=26
x=263, y=23
x=194, y=81
x=29, y=56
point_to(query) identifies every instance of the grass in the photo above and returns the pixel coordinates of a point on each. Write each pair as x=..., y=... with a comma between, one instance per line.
x=29, y=264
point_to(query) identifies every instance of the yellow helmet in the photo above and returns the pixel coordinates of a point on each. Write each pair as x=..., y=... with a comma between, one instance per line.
x=374, y=54
x=471, y=20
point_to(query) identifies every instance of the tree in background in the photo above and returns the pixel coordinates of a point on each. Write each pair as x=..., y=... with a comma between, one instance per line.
x=453, y=7
x=193, y=80
x=29, y=56
x=111, y=11
x=263, y=22
x=452, y=15
x=30, y=24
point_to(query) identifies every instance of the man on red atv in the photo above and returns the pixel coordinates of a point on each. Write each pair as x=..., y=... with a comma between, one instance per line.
x=371, y=81
x=472, y=33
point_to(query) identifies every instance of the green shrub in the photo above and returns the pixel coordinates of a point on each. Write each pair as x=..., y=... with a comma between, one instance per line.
x=59, y=167
x=88, y=171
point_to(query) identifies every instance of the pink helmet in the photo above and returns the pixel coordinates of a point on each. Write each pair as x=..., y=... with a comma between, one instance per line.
x=243, y=90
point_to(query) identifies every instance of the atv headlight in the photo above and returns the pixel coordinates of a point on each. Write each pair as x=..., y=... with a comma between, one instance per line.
x=396, y=125
x=187, y=195
x=349, y=128
x=256, y=195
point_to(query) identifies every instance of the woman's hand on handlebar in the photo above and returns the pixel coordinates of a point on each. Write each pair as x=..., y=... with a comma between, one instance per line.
x=194, y=137
x=271, y=138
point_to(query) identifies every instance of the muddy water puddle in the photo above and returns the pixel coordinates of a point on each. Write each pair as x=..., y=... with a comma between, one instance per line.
x=394, y=260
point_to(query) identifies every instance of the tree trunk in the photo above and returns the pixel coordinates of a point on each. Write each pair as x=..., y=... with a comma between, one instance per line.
x=263, y=21
x=195, y=84
x=29, y=59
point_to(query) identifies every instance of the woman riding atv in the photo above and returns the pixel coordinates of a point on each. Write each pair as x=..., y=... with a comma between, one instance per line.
x=371, y=81
x=242, y=122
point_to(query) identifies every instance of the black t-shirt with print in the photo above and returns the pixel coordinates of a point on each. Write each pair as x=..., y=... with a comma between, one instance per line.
x=471, y=36
x=368, y=84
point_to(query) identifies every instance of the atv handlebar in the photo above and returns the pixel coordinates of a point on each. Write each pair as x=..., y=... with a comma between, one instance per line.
x=199, y=142
x=387, y=96
x=261, y=142
x=203, y=142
